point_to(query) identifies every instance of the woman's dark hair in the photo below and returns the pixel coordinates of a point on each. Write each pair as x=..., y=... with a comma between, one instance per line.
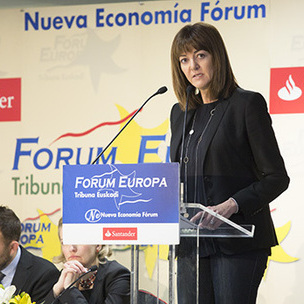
x=202, y=36
x=10, y=225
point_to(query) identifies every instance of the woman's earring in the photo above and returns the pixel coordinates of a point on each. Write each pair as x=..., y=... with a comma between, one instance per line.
x=196, y=91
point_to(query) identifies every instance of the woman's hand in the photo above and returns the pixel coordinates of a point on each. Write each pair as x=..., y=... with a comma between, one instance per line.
x=71, y=272
x=225, y=209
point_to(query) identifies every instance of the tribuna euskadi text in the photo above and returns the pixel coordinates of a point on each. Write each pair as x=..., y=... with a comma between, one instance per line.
x=208, y=11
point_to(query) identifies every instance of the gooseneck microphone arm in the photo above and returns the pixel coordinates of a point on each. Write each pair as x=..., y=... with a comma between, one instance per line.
x=93, y=268
x=161, y=90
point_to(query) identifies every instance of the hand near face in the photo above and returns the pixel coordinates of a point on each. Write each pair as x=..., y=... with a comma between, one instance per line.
x=71, y=272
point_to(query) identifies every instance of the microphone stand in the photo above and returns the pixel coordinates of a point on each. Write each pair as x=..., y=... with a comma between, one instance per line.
x=160, y=91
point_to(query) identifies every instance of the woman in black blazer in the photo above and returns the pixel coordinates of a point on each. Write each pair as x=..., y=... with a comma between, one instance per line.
x=230, y=162
x=109, y=284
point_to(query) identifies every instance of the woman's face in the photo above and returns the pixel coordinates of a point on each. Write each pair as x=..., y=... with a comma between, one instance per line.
x=87, y=255
x=197, y=67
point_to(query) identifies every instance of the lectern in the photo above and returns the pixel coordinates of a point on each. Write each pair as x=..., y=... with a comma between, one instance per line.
x=122, y=204
x=227, y=229
x=133, y=204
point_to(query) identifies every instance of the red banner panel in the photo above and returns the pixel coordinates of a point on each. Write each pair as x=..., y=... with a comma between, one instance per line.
x=10, y=99
x=286, y=90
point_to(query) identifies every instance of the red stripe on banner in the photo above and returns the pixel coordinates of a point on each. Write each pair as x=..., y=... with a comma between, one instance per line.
x=37, y=217
x=109, y=123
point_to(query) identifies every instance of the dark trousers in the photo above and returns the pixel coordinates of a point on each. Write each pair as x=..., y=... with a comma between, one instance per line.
x=223, y=279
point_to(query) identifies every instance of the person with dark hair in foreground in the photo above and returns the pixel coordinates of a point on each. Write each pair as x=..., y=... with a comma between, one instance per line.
x=230, y=163
x=27, y=272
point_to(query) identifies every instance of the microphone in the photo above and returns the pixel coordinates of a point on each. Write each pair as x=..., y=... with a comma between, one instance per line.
x=161, y=90
x=92, y=269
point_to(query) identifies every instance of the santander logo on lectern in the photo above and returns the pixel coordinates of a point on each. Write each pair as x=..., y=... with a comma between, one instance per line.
x=286, y=90
x=120, y=233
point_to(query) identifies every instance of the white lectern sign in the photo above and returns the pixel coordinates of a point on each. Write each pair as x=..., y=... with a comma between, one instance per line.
x=121, y=204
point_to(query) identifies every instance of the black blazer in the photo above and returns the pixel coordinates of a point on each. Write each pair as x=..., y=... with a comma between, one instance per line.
x=34, y=275
x=111, y=286
x=241, y=159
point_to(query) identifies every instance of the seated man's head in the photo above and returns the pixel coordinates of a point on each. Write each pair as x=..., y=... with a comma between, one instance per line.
x=10, y=230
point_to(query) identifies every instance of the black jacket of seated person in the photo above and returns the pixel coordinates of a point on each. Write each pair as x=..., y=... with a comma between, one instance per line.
x=35, y=276
x=111, y=286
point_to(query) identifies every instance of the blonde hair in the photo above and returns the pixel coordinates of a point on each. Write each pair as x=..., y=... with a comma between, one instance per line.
x=104, y=252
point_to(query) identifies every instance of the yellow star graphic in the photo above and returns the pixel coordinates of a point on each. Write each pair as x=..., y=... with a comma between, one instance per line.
x=151, y=256
x=129, y=142
x=46, y=237
x=278, y=254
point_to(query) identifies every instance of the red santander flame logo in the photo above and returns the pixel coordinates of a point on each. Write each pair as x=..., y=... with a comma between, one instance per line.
x=119, y=234
x=10, y=99
x=286, y=90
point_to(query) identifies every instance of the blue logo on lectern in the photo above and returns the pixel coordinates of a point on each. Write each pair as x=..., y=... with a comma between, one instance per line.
x=122, y=193
x=117, y=186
